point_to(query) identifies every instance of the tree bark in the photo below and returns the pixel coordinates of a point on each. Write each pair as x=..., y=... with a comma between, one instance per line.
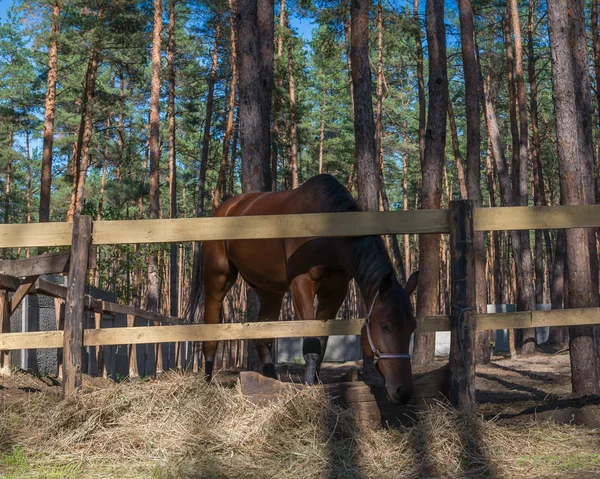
x=557, y=285
x=173, y=271
x=208, y=120
x=46, y=180
x=472, y=98
x=81, y=157
x=255, y=66
x=420, y=80
x=230, y=112
x=364, y=125
x=462, y=183
x=571, y=94
x=432, y=169
x=293, y=126
x=154, y=147
x=322, y=134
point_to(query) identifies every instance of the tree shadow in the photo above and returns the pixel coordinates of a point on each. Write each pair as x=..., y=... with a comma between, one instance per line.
x=512, y=386
x=527, y=374
x=566, y=410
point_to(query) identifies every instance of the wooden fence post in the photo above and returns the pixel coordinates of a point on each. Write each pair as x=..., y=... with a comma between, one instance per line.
x=4, y=328
x=463, y=318
x=75, y=305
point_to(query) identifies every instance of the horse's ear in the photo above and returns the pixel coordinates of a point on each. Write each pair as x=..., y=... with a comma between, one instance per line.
x=412, y=282
x=385, y=287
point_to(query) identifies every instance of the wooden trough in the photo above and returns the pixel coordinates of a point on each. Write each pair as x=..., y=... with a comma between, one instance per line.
x=369, y=404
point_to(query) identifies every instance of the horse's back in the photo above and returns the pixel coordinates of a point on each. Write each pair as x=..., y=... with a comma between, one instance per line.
x=319, y=194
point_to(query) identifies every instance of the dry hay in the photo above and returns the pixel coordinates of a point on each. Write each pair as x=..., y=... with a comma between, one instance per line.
x=178, y=427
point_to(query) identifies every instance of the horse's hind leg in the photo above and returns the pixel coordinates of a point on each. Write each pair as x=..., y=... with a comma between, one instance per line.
x=303, y=296
x=219, y=275
x=270, y=307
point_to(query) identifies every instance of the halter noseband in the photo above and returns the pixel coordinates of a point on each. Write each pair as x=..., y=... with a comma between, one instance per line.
x=377, y=356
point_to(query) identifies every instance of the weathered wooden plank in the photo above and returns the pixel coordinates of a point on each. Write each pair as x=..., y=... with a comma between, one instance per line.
x=463, y=319
x=35, y=235
x=49, y=263
x=26, y=287
x=75, y=305
x=9, y=283
x=280, y=226
x=114, y=308
x=537, y=217
x=279, y=329
x=50, y=289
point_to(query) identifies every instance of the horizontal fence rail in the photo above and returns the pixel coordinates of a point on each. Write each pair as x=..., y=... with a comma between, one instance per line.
x=299, y=226
x=286, y=329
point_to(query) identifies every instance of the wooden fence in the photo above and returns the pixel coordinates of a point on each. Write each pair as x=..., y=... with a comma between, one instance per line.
x=461, y=220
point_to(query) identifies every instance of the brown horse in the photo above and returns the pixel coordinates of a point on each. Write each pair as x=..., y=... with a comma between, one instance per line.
x=310, y=267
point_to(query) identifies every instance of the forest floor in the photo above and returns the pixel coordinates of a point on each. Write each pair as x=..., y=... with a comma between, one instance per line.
x=529, y=425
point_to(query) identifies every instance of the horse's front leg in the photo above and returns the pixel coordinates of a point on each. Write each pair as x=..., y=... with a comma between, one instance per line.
x=330, y=298
x=270, y=307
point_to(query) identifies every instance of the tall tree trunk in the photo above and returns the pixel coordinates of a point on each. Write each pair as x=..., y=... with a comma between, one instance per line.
x=277, y=97
x=82, y=157
x=392, y=240
x=173, y=272
x=293, y=126
x=230, y=112
x=571, y=94
x=8, y=178
x=457, y=155
x=527, y=297
x=208, y=120
x=420, y=80
x=538, y=184
x=432, y=169
x=364, y=126
x=557, y=286
x=46, y=180
x=322, y=134
x=232, y=161
x=495, y=243
x=154, y=147
x=472, y=98
x=197, y=260
x=255, y=66
x=379, y=94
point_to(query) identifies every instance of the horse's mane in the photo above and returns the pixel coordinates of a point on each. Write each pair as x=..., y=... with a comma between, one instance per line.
x=369, y=257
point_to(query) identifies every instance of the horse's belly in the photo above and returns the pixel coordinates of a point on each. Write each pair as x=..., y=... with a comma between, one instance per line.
x=261, y=262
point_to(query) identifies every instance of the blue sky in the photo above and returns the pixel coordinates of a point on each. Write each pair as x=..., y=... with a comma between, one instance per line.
x=4, y=5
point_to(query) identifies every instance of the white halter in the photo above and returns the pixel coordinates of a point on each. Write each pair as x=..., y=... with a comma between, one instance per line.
x=377, y=356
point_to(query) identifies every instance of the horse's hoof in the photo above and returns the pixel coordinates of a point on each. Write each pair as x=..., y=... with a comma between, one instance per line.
x=310, y=373
x=269, y=371
x=208, y=369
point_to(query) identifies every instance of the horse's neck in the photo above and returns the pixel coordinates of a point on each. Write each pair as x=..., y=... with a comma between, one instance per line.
x=367, y=262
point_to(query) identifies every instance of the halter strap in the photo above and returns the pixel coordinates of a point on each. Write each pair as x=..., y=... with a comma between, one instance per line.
x=377, y=356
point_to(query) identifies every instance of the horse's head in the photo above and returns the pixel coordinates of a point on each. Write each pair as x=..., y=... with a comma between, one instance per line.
x=386, y=336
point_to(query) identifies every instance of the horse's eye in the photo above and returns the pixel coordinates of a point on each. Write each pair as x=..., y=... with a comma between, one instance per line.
x=385, y=328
